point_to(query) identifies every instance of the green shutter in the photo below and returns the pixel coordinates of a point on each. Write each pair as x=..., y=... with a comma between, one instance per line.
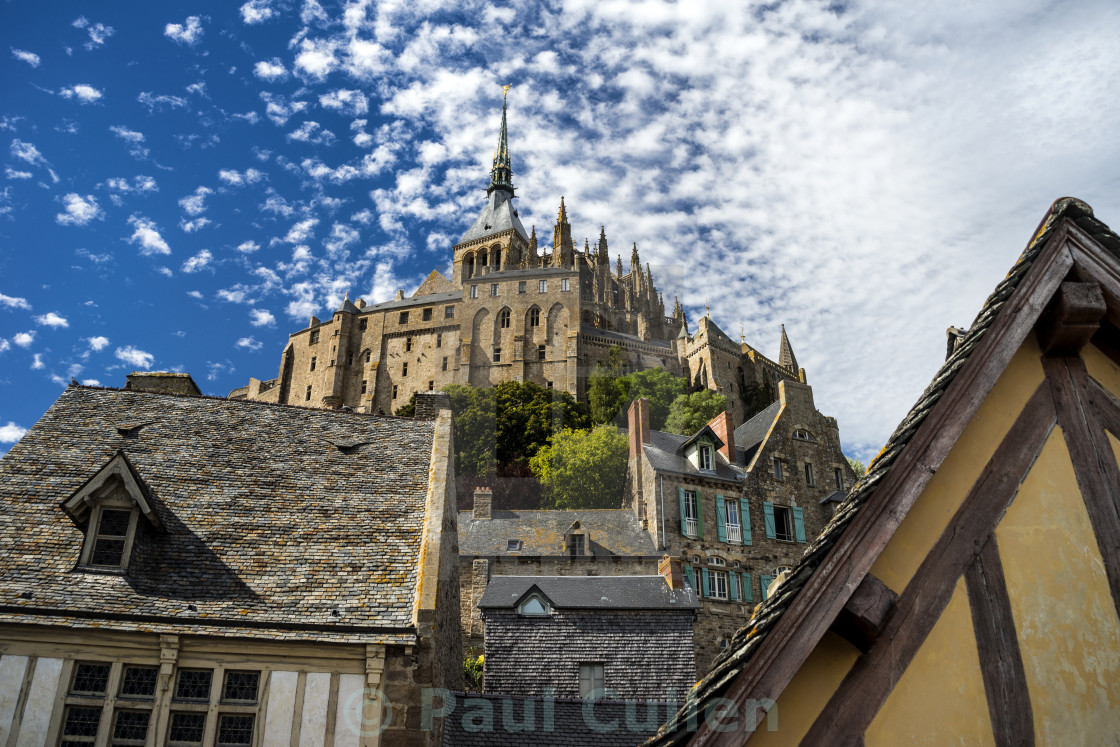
x=768, y=518
x=799, y=524
x=721, y=519
x=707, y=590
x=683, y=503
x=745, y=520
x=688, y=573
x=699, y=516
x=765, y=583
x=733, y=590
x=748, y=592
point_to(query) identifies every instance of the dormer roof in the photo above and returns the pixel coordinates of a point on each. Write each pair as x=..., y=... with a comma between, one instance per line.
x=117, y=472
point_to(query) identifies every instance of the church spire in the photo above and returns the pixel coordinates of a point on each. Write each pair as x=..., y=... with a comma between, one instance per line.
x=786, y=357
x=501, y=174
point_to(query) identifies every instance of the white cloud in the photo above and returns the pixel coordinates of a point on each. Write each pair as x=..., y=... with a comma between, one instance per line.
x=30, y=58
x=236, y=294
x=126, y=134
x=98, y=343
x=134, y=357
x=4, y=345
x=249, y=343
x=83, y=92
x=279, y=109
x=195, y=205
x=197, y=295
x=13, y=174
x=14, y=302
x=146, y=235
x=98, y=32
x=257, y=11
x=91, y=382
x=316, y=58
x=198, y=262
x=37, y=362
x=24, y=339
x=248, y=247
x=270, y=70
x=79, y=210
x=236, y=178
x=26, y=152
x=162, y=101
x=301, y=231
x=188, y=32
x=311, y=132
x=194, y=224
x=346, y=101
x=51, y=319
x=11, y=433
x=261, y=318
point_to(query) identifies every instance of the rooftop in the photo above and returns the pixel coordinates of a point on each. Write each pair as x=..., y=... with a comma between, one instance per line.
x=611, y=532
x=591, y=592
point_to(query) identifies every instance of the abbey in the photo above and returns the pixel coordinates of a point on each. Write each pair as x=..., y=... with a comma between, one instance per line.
x=514, y=311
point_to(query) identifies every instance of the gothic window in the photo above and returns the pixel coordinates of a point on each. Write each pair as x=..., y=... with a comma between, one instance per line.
x=503, y=318
x=468, y=267
x=534, y=317
x=482, y=259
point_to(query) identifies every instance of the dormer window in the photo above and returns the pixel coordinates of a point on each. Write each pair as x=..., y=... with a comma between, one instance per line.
x=533, y=606
x=112, y=531
x=705, y=457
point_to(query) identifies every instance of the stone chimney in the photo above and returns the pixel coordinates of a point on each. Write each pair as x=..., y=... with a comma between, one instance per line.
x=482, y=500
x=639, y=425
x=670, y=569
x=163, y=382
x=428, y=404
x=724, y=427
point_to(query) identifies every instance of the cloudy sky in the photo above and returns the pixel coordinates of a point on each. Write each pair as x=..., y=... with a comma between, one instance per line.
x=185, y=183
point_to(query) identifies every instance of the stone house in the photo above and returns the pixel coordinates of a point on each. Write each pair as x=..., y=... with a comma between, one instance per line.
x=596, y=638
x=191, y=570
x=736, y=505
x=968, y=589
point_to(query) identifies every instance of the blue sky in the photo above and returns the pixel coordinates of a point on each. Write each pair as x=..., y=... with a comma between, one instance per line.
x=186, y=183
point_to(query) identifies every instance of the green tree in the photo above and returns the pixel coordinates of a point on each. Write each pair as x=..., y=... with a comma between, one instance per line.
x=756, y=397
x=657, y=385
x=691, y=412
x=407, y=410
x=857, y=466
x=606, y=390
x=583, y=468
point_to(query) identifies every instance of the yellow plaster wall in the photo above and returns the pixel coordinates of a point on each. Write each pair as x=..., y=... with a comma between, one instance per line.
x=1101, y=368
x=808, y=692
x=1068, y=629
x=947, y=489
x=939, y=700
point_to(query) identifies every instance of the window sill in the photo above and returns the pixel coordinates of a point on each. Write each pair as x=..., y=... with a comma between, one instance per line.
x=101, y=571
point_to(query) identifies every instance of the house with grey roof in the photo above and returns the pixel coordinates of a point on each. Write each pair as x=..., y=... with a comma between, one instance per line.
x=187, y=570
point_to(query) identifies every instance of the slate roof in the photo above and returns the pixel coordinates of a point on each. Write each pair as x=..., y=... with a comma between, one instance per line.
x=431, y=298
x=748, y=640
x=753, y=432
x=611, y=532
x=498, y=215
x=568, y=727
x=591, y=592
x=610, y=334
x=665, y=453
x=274, y=517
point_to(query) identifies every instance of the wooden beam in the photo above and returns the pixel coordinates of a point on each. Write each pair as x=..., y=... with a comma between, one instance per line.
x=1001, y=662
x=866, y=687
x=1071, y=318
x=866, y=612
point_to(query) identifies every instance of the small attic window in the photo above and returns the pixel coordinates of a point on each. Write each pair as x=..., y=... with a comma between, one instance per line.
x=534, y=606
x=800, y=434
x=111, y=532
x=704, y=456
x=513, y=545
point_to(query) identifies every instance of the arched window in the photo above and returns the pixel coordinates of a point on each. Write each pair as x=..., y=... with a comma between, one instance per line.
x=534, y=317
x=468, y=267
x=503, y=318
x=482, y=258
x=496, y=257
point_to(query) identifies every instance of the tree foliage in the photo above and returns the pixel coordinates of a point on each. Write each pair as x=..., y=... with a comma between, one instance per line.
x=657, y=385
x=857, y=466
x=606, y=392
x=691, y=412
x=583, y=468
x=407, y=410
x=756, y=397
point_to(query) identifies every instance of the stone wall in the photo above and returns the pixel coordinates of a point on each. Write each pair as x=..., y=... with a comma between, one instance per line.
x=646, y=654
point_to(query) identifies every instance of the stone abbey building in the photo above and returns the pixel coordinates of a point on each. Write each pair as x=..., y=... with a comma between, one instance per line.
x=512, y=311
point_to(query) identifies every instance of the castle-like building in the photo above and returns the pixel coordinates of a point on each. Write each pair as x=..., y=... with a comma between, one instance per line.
x=512, y=312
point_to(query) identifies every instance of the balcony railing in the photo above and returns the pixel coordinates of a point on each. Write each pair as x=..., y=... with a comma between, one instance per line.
x=690, y=527
x=734, y=533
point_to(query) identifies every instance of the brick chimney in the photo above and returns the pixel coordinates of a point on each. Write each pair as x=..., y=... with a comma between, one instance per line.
x=639, y=425
x=428, y=404
x=670, y=569
x=724, y=427
x=482, y=499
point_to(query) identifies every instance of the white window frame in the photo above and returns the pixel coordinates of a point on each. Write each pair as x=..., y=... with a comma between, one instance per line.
x=117, y=502
x=734, y=528
x=493, y=289
x=565, y=285
x=521, y=287
x=810, y=478
x=691, y=506
x=592, y=679
x=787, y=512
x=474, y=291
x=717, y=584
x=779, y=472
x=542, y=286
x=522, y=609
x=704, y=457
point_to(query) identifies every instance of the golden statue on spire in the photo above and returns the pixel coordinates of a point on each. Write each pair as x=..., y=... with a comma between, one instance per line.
x=505, y=89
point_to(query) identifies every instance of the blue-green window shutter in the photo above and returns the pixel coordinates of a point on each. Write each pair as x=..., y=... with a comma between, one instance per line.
x=748, y=592
x=683, y=507
x=734, y=590
x=721, y=519
x=690, y=576
x=765, y=583
x=704, y=582
x=768, y=518
x=799, y=524
x=745, y=518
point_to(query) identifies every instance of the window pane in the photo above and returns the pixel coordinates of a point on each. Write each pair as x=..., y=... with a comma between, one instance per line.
x=194, y=684
x=187, y=727
x=91, y=678
x=241, y=686
x=114, y=523
x=235, y=730
x=139, y=682
x=81, y=722
x=131, y=725
x=108, y=552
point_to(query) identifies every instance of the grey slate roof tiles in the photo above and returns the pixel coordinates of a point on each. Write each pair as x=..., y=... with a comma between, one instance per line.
x=611, y=532
x=269, y=527
x=749, y=639
x=665, y=452
x=591, y=592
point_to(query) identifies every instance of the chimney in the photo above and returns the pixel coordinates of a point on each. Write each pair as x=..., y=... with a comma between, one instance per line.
x=670, y=569
x=163, y=382
x=429, y=404
x=482, y=498
x=639, y=425
x=724, y=427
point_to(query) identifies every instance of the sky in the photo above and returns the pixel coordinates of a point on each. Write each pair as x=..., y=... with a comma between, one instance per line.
x=185, y=183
